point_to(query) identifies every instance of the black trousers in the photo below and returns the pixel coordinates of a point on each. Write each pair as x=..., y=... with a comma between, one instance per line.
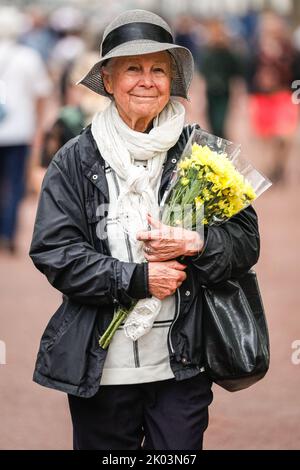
x=165, y=415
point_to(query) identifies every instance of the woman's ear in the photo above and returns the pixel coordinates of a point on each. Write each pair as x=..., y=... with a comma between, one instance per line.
x=107, y=81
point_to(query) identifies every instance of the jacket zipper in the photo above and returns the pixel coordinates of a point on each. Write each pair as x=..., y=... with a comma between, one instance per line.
x=175, y=319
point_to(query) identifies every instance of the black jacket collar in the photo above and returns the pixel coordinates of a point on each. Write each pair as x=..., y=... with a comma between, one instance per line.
x=93, y=163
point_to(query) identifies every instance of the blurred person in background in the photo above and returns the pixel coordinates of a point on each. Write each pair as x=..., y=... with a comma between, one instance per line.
x=188, y=33
x=219, y=67
x=249, y=23
x=152, y=392
x=81, y=105
x=272, y=68
x=24, y=86
x=68, y=22
x=296, y=38
x=39, y=35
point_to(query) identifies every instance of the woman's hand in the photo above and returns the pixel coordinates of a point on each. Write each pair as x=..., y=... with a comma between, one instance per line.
x=165, y=243
x=164, y=278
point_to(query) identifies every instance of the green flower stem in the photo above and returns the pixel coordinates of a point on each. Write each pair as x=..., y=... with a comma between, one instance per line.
x=120, y=316
x=109, y=333
x=109, y=328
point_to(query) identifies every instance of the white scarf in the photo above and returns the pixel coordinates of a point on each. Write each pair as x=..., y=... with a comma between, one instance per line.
x=119, y=145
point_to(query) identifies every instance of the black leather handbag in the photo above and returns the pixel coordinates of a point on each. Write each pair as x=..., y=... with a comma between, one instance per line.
x=235, y=333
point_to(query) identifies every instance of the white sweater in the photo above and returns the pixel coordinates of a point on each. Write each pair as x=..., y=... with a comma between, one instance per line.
x=145, y=360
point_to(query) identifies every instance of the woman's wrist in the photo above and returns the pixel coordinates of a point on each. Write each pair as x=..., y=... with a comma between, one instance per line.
x=139, y=284
x=193, y=244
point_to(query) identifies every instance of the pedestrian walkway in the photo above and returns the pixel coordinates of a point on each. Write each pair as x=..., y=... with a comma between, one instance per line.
x=266, y=416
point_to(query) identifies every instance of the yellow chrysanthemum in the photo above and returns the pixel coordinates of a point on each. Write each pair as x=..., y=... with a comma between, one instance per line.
x=210, y=179
x=206, y=194
x=199, y=201
x=184, y=181
x=185, y=164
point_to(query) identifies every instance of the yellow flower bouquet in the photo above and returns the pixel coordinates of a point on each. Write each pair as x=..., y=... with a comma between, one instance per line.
x=210, y=184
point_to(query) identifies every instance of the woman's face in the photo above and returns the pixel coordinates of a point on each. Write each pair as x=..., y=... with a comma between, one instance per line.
x=140, y=85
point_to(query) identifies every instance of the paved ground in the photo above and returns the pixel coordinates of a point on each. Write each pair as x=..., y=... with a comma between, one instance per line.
x=266, y=416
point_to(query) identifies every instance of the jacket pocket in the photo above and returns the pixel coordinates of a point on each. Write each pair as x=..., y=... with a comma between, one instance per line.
x=58, y=324
x=65, y=357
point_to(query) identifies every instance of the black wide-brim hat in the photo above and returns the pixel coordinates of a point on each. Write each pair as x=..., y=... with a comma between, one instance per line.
x=139, y=32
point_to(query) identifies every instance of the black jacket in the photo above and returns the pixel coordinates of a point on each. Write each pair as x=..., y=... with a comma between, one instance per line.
x=66, y=248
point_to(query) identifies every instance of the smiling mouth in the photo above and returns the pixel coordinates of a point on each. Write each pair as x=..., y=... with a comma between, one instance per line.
x=145, y=97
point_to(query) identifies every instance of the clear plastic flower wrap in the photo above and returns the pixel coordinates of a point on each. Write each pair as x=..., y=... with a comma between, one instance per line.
x=211, y=182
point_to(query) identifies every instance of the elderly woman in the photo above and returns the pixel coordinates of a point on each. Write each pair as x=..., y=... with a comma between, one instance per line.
x=154, y=390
